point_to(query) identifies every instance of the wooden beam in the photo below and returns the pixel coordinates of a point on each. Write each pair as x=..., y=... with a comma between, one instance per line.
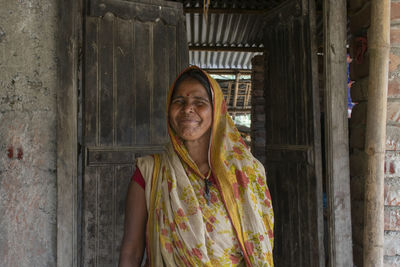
x=248, y=95
x=200, y=10
x=212, y=48
x=228, y=71
x=375, y=137
x=236, y=90
x=228, y=98
x=336, y=134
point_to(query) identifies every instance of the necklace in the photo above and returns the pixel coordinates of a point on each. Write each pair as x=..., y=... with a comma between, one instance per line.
x=207, y=184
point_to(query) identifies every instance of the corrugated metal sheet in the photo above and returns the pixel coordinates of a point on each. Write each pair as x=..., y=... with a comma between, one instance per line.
x=221, y=60
x=223, y=30
x=237, y=30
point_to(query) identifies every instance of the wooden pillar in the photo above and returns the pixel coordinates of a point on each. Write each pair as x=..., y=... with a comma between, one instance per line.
x=235, y=96
x=70, y=31
x=236, y=90
x=336, y=133
x=379, y=45
x=228, y=98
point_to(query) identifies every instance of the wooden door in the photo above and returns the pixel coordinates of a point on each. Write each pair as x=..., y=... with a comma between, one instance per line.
x=293, y=135
x=133, y=52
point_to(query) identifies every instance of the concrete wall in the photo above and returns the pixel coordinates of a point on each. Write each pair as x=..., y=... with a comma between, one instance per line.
x=28, y=132
x=359, y=13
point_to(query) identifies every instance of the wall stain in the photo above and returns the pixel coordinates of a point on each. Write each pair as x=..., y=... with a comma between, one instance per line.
x=10, y=152
x=20, y=154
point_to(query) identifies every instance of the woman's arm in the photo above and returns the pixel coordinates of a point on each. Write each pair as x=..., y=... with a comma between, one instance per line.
x=133, y=243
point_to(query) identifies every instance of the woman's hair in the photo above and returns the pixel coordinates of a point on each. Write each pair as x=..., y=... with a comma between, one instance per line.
x=197, y=75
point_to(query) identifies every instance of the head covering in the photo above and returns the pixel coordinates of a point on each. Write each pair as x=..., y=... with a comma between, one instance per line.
x=241, y=182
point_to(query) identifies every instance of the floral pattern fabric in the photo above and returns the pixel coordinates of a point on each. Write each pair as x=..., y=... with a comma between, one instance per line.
x=235, y=228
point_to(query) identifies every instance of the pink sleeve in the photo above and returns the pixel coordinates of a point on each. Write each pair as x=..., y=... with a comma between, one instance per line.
x=138, y=178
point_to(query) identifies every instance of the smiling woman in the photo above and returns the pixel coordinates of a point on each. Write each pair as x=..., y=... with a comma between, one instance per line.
x=190, y=112
x=203, y=202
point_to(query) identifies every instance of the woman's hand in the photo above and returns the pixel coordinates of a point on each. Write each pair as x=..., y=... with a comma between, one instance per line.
x=133, y=243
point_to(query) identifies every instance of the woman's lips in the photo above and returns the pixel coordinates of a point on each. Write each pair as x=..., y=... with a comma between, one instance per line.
x=188, y=121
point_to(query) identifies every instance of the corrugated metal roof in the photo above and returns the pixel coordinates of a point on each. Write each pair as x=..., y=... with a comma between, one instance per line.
x=227, y=31
x=221, y=60
x=238, y=30
x=231, y=25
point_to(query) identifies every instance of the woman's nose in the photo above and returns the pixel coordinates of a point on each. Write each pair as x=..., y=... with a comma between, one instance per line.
x=187, y=108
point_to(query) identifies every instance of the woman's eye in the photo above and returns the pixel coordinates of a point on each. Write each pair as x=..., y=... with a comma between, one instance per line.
x=178, y=101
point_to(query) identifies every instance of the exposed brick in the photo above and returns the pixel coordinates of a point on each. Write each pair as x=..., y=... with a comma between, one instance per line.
x=393, y=112
x=391, y=261
x=394, y=37
x=392, y=218
x=392, y=194
x=395, y=11
x=394, y=62
x=392, y=138
x=394, y=88
x=359, y=90
x=392, y=164
x=392, y=243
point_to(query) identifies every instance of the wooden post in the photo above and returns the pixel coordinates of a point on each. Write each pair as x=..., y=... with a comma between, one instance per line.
x=228, y=98
x=70, y=31
x=236, y=90
x=379, y=45
x=337, y=134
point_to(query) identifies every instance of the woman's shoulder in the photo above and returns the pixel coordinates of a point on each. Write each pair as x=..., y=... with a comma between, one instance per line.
x=146, y=164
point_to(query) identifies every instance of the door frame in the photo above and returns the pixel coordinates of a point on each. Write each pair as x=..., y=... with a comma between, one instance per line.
x=68, y=50
x=336, y=132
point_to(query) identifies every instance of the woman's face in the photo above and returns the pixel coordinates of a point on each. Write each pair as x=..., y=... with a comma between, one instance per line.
x=190, y=111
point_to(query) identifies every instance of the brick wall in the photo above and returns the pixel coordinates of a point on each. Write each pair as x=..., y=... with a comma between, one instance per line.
x=258, y=109
x=359, y=14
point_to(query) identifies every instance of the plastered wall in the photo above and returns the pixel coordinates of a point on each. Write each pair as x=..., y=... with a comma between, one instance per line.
x=28, y=82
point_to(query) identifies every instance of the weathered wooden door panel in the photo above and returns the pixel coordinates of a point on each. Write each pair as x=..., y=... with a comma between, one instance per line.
x=131, y=57
x=292, y=135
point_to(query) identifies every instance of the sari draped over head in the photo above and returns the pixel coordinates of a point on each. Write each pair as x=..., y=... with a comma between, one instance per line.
x=236, y=228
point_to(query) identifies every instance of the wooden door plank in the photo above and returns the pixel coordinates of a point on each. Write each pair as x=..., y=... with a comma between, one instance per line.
x=125, y=92
x=143, y=56
x=106, y=214
x=91, y=81
x=161, y=64
x=90, y=217
x=123, y=176
x=106, y=86
x=172, y=54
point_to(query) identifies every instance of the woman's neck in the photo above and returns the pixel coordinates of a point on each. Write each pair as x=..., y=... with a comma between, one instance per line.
x=198, y=151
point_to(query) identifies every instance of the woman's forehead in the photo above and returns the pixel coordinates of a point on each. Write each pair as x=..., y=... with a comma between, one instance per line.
x=190, y=86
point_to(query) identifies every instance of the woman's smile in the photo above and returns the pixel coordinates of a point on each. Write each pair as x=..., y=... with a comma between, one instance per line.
x=190, y=111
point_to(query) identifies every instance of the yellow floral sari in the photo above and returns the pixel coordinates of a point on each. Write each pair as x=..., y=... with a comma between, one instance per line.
x=235, y=228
